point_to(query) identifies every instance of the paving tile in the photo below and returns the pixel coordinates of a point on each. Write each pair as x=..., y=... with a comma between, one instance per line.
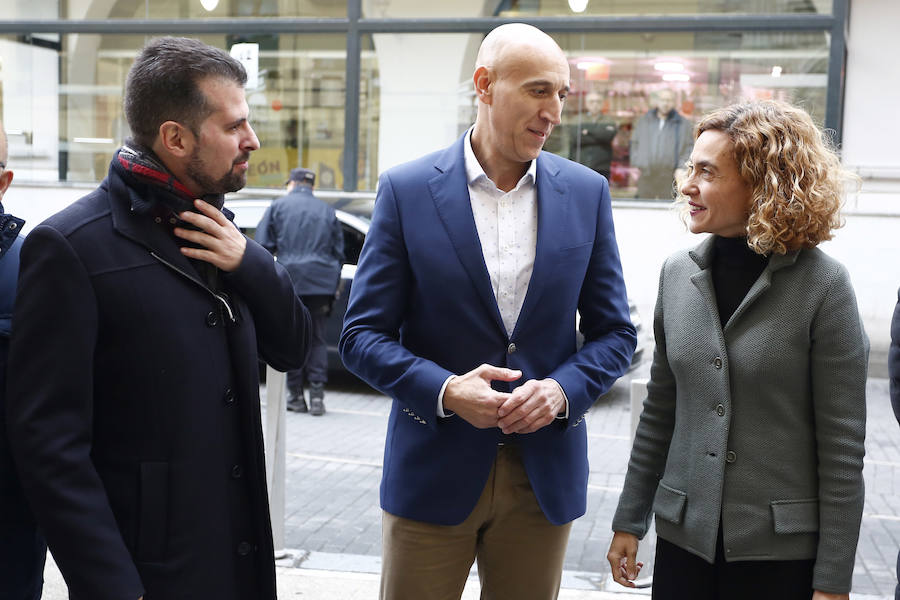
x=334, y=470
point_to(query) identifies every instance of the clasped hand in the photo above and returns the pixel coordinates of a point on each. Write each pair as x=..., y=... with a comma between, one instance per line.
x=222, y=243
x=526, y=409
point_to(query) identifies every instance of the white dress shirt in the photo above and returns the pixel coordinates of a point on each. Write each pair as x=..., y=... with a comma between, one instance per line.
x=507, y=228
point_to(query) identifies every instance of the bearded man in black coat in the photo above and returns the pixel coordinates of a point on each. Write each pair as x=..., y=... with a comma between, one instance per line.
x=133, y=384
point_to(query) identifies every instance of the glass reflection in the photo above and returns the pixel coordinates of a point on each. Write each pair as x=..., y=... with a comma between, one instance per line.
x=635, y=97
x=663, y=7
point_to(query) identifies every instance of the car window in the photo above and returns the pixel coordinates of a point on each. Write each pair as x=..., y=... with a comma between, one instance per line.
x=353, y=241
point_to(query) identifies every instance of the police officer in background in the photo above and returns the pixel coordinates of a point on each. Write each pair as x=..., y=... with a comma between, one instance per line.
x=305, y=235
x=594, y=137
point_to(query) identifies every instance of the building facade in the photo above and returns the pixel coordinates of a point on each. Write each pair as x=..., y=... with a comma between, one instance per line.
x=352, y=88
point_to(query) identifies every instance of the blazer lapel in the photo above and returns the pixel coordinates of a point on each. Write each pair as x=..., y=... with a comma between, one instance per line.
x=553, y=204
x=703, y=255
x=763, y=283
x=702, y=279
x=450, y=192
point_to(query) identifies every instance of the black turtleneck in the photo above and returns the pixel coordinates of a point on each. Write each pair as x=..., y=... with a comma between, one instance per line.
x=735, y=267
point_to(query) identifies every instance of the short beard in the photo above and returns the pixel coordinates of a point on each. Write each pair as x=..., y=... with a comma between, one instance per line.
x=230, y=182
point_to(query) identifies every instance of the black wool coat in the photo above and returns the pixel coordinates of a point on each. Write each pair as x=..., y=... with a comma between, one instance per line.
x=133, y=403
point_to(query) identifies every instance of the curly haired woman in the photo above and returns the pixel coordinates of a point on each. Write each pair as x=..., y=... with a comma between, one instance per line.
x=750, y=447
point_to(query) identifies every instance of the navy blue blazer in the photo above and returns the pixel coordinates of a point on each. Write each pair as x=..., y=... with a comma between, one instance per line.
x=422, y=308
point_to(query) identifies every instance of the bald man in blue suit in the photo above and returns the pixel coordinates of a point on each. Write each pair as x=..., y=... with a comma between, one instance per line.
x=463, y=311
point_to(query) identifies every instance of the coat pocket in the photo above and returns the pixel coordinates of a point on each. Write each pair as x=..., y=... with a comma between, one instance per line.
x=796, y=516
x=669, y=503
x=152, y=523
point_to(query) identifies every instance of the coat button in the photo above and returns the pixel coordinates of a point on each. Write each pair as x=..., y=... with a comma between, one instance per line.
x=244, y=548
x=720, y=410
x=212, y=319
x=237, y=471
x=511, y=349
x=730, y=456
x=717, y=362
x=229, y=396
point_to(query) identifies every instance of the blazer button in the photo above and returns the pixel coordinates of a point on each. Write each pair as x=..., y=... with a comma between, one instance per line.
x=212, y=319
x=237, y=471
x=717, y=362
x=511, y=349
x=244, y=548
x=229, y=396
x=720, y=410
x=730, y=456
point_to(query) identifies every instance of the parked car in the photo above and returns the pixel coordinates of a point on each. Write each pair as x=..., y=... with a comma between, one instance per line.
x=247, y=214
x=355, y=215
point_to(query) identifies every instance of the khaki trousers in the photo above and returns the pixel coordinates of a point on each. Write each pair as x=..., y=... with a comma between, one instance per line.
x=519, y=552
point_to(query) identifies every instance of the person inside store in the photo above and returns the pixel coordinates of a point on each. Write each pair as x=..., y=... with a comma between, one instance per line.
x=306, y=236
x=749, y=450
x=462, y=311
x=133, y=389
x=592, y=141
x=660, y=144
x=894, y=375
x=22, y=547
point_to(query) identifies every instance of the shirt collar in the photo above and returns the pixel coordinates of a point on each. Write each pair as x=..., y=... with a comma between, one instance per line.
x=475, y=173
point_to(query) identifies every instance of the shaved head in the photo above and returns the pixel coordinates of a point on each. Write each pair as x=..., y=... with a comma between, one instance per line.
x=512, y=41
x=521, y=81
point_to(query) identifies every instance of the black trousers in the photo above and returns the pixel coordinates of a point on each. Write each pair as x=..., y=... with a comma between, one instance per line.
x=680, y=575
x=316, y=368
x=22, y=555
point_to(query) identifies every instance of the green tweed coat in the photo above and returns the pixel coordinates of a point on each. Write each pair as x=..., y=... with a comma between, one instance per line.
x=761, y=422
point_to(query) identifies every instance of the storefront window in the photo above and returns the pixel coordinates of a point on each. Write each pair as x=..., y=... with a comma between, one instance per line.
x=61, y=93
x=173, y=9
x=29, y=105
x=202, y=9
x=408, y=9
x=369, y=116
x=63, y=105
x=558, y=8
x=636, y=97
x=297, y=107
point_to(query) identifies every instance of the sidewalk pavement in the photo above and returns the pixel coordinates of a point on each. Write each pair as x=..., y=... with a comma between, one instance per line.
x=333, y=521
x=327, y=584
x=319, y=584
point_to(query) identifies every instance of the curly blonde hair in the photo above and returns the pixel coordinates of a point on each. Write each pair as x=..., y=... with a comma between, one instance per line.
x=795, y=176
